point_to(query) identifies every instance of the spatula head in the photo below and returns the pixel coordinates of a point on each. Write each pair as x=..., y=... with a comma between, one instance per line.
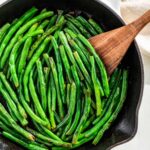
x=112, y=46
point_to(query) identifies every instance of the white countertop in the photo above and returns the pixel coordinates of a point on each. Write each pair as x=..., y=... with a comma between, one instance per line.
x=141, y=140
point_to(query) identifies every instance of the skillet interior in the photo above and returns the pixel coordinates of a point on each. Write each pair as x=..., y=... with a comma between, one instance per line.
x=125, y=127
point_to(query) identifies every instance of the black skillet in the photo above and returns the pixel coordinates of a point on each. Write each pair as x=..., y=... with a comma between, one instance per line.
x=125, y=126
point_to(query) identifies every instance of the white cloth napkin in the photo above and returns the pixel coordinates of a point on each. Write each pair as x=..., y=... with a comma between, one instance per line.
x=130, y=10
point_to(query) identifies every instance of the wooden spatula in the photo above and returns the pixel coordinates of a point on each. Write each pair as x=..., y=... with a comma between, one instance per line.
x=112, y=45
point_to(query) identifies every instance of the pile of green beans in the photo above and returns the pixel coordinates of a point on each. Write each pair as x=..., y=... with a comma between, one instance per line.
x=55, y=89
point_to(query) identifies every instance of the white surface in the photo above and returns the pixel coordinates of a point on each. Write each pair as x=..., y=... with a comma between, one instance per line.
x=141, y=140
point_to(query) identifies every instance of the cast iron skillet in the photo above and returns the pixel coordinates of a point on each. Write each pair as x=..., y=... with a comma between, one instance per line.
x=125, y=127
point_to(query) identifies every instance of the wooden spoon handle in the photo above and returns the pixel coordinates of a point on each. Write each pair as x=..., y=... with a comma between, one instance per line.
x=138, y=24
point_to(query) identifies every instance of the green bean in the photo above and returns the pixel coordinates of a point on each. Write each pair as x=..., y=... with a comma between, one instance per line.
x=82, y=67
x=57, y=117
x=35, y=147
x=13, y=53
x=53, y=91
x=30, y=65
x=99, y=63
x=88, y=122
x=95, y=25
x=71, y=26
x=76, y=78
x=78, y=109
x=34, y=20
x=42, y=85
x=109, y=100
x=72, y=105
x=70, y=32
x=22, y=143
x=44, y=24
x=4, y=27
x=24, y=54
x=113, y=78
x=60, y=13
x=50, y=47
x=68, y=36
x=51, y=22
x=59, y=67
x=47, y=139
x=17, y=140
x=84, y=116
x=37, y=143
x=4, y=30
x=55, y=76
x=79, y=25
x=68, y=50
x=103, y=102
x=20, y=32
x=104, y=119
x=100, y=87
x=87, y=25
x=82, y=47
x=43, y=10
x=66, y=129
x=39, y=41
x=12, y=94
x=32, y=115
x=12, y=114
x=50, y=100
x=81, y=54
x=28, y=109
x=15, y=27
x=68, y=95
x=13, y=107
x=4, y=34
x=59, y=148
x=51, y=134
x=44, y=143
x=96, y=87
x=82, y=141
x=13, y=124
x=38, y=127
x=46, y=71
x=2, y=118
x=56, y=35
x=65, y=62
x=78, y=42
x=76, y=119
x=117, y=110
x=8, y=129
x=67, y=47
x=36, y=100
